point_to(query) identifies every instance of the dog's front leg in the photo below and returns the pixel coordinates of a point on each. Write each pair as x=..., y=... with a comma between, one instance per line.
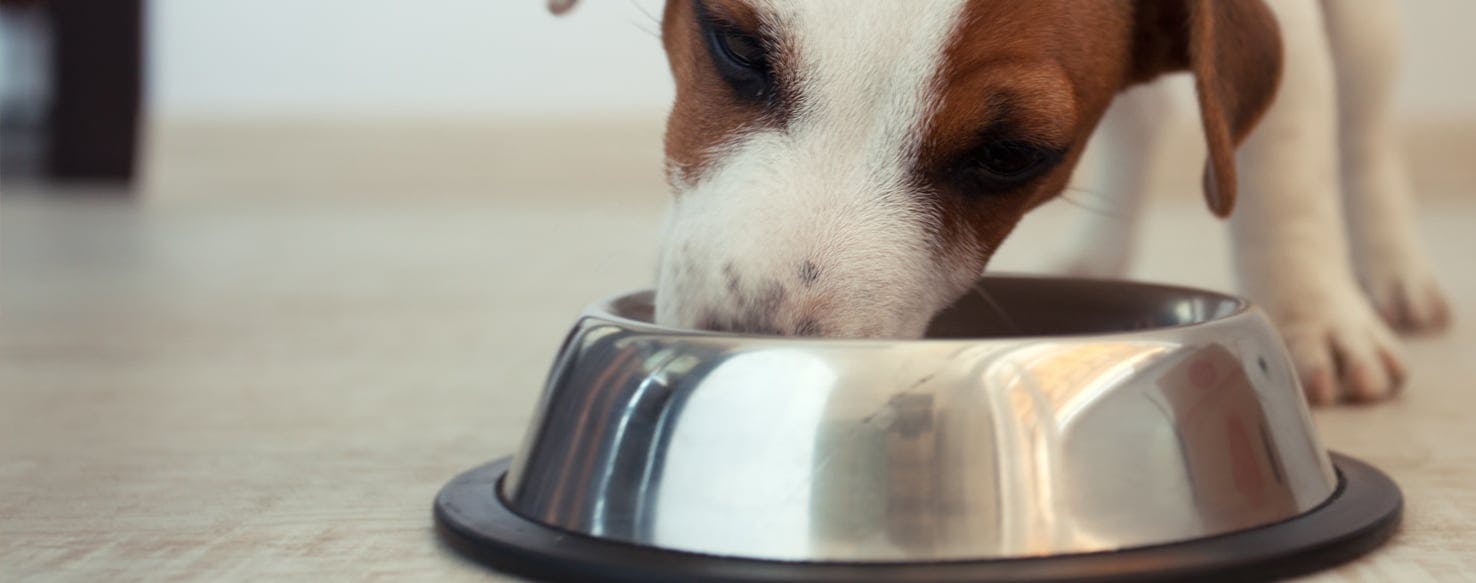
x=1387, y=255
x=1290, y=250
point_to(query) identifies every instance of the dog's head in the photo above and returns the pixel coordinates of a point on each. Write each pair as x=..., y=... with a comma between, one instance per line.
x=847, y=168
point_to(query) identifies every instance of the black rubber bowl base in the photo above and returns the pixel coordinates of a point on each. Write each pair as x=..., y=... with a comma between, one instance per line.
x=1361, y=515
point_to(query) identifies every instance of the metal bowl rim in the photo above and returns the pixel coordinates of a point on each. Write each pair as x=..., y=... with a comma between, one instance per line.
x=606, y=310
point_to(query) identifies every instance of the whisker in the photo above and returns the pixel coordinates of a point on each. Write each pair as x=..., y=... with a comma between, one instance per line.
x=638, y=6
x=1105, y=211
x=651, y=17
x=642, y=26
x=999, y=311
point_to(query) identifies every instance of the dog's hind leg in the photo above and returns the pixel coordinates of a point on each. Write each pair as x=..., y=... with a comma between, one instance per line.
x=1387, y=255
x=1112, y=182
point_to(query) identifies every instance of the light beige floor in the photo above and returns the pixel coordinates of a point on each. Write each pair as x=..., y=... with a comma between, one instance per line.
x=242, y=387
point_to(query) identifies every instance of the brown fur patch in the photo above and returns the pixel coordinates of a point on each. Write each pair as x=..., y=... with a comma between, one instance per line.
x=1233, y=47
x=1040, y=71
x=706, y=114
x=1046, y=70
x=1235, y=53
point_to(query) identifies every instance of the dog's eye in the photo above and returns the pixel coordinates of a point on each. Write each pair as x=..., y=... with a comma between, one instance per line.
x=1009, y=159
x=742, y=49
x=741, y=58
x=1001, y=165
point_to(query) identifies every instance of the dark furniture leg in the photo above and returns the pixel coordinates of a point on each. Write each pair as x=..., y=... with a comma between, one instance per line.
x=97, y=72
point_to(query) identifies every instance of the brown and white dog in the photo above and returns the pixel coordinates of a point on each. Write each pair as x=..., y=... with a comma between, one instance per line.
x=847, y=167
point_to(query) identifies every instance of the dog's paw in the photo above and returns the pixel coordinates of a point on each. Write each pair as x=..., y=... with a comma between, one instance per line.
x=1404, y=292
x=1342, y=351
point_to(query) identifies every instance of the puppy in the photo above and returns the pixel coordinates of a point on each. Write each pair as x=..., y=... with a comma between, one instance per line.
x=847, y=169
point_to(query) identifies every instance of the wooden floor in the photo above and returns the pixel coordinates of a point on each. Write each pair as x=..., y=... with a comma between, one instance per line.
x=245, y=387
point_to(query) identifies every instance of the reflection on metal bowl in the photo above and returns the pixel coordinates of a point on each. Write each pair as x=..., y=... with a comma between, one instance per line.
x=1054, y=418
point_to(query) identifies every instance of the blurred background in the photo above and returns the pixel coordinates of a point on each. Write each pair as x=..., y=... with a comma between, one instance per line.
x=354, y=105
x=245, y=92
x=271, y=271
x=468, y=96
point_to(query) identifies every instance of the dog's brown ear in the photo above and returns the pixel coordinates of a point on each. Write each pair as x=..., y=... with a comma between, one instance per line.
x=561, y=6
x=1233, y=48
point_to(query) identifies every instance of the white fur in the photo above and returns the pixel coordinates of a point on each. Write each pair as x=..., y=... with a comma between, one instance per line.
x=1291, y=250
x=830, y=188
x=1388, y=257
x=1290, y=243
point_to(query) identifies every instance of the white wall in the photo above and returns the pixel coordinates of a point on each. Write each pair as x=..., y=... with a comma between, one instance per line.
x=404, y=57
x=509, y=57
x=1439, y=75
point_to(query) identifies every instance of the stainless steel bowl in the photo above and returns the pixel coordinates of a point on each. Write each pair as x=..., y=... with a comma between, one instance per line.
x=1054, y=416
x=1054, y=429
